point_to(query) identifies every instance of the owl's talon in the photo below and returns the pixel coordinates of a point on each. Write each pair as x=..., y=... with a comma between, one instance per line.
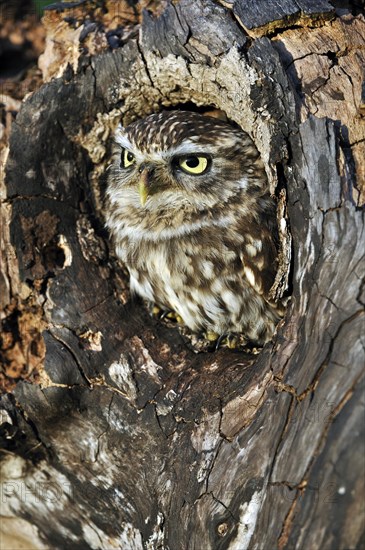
x=162, y=314
x=211, y=336
x=232, y=342
x=159, y=312
x=173, y=316
x=166, y=313
x=156, y=311
x=228, y=339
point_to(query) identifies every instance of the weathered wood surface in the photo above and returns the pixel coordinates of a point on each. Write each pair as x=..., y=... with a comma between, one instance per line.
x=117, y=434
x=259, y=18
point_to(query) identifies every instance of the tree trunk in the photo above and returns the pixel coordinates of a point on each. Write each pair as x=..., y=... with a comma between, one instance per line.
x=116, y=432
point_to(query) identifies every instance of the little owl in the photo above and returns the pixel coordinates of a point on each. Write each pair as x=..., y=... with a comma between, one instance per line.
x=189, y=209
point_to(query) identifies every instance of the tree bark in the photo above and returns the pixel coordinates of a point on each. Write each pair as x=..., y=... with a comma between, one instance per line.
x=116, y=432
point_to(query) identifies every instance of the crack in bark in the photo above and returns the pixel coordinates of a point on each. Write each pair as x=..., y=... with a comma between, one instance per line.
x=352, y=143
x=158, y=421
x=94, y=78
x=145, y=64
x=312, y=386
x=33, y=427
x=224, y=506
x=74, y=356
x=327, y=298
x=100, y=382
x=322, y=84
x=307, y=55
x=189, y=32
x=285, y=532
x=303, y=484
x=105, y=431
x=288, y=21
x=211, y=466
x=351, y=82
x=289, y=416
x=97, y=304
x=281, y=386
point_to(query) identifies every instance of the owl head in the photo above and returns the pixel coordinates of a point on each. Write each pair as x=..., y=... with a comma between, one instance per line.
x=181, y=160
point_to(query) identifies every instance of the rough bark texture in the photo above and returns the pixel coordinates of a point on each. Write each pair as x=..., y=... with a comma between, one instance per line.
x=116, y=433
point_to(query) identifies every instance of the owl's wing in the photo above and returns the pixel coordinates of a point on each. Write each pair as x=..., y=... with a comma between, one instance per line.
x=259, y=257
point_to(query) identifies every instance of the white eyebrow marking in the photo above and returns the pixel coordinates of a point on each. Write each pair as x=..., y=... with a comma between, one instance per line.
x=188, y=147
x=122, y=140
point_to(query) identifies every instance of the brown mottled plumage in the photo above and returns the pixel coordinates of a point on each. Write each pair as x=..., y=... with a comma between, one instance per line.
x=191, y=216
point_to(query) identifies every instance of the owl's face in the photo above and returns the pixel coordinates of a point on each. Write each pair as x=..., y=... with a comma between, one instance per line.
x=181, y=160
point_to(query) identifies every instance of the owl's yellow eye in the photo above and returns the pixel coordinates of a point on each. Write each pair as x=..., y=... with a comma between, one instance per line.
x=127, y=159
x=194, y=164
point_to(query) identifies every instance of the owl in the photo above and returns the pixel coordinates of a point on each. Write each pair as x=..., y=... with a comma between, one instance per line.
x=191, y=216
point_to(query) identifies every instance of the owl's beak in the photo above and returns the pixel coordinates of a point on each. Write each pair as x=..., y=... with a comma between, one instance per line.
x=143, y=186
